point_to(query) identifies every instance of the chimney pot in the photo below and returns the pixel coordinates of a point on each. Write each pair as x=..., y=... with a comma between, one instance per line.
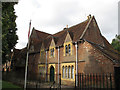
x=89, y=16
x=66, y=26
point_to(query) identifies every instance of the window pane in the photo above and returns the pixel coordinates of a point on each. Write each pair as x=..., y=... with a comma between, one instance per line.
x=69, y=48
x=53, y=52
x=63, y=70
x=66, y=71
x=72, y=72
x=66, y=49
x=69, y=72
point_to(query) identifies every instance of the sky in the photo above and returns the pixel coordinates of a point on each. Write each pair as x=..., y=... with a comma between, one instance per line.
x=52, y=16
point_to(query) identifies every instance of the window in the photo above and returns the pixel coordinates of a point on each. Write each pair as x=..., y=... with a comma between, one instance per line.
x=69, y=72
x=32, y=48
x=42, y=54
x=66, y=49
x=52, y=52
x=69, y=48
x=63, y=70
x=66, y=71
x=72, y=71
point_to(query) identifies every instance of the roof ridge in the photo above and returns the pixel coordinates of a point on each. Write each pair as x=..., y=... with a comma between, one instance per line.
x=42, y=31
x=71, y=27
x=86, y=27
x=79, y=23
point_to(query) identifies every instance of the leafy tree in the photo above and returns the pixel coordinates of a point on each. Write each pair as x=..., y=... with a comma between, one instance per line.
x=9, y=37
x=116, y=43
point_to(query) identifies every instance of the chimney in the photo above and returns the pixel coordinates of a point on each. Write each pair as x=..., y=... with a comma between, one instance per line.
x=89, y=16
x=66, y=26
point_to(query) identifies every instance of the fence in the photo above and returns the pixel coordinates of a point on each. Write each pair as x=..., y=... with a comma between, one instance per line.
x=95, y=80
x=44, y=81
x=14, y=77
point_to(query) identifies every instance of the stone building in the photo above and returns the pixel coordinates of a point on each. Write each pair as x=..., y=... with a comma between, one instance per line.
x=77, y=49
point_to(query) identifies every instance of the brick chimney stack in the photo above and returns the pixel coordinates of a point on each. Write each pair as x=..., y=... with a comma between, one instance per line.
x=66, y=26
x=89, y=16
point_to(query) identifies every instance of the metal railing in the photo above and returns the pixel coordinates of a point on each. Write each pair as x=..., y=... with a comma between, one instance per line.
x=95, y=80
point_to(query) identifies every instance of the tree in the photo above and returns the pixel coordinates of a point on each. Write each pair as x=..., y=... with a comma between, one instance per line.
x=116, y=43
x=9, y=37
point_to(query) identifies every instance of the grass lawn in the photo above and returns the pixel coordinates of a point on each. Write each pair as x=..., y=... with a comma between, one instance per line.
x=8, y=85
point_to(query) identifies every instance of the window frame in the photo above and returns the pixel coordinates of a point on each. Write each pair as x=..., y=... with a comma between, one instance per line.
x=52, y=52
x=72, y=72
x=69, y=72
x=66, y=49
x=69, y=48
x=66, y=71
x=63, y=72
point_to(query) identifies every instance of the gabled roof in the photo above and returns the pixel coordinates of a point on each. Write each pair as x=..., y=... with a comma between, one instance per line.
x=40, y=35
x=76, y=32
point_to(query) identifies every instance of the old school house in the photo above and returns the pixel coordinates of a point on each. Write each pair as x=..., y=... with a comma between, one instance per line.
x=77, y=49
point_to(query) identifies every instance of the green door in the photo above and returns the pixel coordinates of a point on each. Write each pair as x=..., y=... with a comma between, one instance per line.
x=51, y=73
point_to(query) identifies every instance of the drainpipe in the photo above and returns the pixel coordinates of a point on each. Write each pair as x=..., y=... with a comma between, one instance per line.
x=58, y=63
x=46, y=66
x=76, y=64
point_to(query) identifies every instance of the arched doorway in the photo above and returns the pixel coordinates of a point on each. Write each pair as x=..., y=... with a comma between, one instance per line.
x=51, y=73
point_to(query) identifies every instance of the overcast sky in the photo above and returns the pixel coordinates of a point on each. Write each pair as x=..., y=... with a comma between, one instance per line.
x=52, y=16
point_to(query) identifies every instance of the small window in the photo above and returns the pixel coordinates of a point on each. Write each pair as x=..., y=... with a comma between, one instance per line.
x=69, y=48
x=63, y=70
x=66, y=71
x=72, y=74
x=32, y=48
x=69, y=72
x=53, y=52
x=66, y=49
x=41, y=53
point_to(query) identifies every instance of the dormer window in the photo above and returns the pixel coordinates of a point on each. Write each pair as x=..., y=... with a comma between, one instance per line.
x=67, y=49
x=32, y=49
x=42, y=54
x=52, y=52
